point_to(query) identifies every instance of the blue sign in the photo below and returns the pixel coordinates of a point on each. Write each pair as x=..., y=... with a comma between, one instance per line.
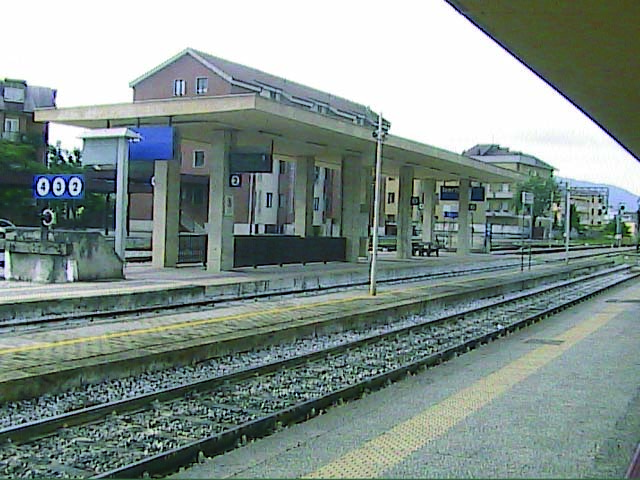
x=157, y=143
x=450, y=214
x=58, y=187
x=477, y=194
x=453, y=193
x=449, y=193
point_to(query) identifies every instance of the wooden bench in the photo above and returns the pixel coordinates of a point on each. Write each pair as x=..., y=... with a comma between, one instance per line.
x=420, y=248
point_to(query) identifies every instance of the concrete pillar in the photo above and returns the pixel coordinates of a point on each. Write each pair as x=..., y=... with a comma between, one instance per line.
x=303, y=196
x=405, y=230
x=428, y=188
x=351, y=227
x=220, y=227
x=366, y=207
x=166, y=213
x=463, y=218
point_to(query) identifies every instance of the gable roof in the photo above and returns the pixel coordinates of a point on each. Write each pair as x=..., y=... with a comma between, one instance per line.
x=262, y=82
x=35, y=97
x=497, y=154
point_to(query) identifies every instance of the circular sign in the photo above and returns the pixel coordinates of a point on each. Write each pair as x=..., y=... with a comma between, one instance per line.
x=75, y=186
x=153, y=181
x=48, y=217
x=235, y=180
x=58, y=186
x=43, y=186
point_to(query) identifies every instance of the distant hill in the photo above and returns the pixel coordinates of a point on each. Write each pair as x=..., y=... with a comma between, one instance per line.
x=617, y=195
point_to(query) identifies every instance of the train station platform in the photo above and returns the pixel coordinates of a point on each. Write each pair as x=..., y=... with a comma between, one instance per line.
x=70, y=352
x=559, y=399
x=148, y=287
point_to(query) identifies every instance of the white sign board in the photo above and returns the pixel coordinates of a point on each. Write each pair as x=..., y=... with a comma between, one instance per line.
x=527, y=198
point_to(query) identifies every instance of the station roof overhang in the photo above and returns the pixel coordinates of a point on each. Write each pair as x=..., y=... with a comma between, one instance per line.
x=294, y=132
x=588, y=51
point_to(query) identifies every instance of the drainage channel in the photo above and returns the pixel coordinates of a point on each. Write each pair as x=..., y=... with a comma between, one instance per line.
x=159, y=432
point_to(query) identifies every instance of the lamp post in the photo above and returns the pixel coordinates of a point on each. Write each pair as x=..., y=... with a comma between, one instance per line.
x=567, y=224
x=638, y=228
x=379, y=134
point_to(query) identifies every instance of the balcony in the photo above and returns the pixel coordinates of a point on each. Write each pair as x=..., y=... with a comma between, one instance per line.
x=500, y=195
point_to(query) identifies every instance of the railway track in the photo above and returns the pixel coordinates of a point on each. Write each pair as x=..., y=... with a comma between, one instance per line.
x=160, y=431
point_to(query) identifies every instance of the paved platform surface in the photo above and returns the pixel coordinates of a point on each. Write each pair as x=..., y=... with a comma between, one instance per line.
x=560, y=399
x=141, y=278
x=64, y=355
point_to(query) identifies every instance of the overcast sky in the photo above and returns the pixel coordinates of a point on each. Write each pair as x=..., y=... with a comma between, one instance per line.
x=437, y=78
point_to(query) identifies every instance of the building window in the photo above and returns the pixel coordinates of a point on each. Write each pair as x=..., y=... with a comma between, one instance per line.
x=316, y=204
x=505, y=187
x=13, y=94
x=202, y=85
x=198, y=195
x=269, y=203
x=391, y=197
x=179, y=88
x=198, y=159
x=282, y=167
x=316, y=173
x=11, y=125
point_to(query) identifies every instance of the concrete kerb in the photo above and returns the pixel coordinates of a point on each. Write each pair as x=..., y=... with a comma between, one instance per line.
x=123, y=301
x=188, y=351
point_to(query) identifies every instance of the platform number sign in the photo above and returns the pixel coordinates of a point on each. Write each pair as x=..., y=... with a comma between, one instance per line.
x=58, y=187
x=235, y=180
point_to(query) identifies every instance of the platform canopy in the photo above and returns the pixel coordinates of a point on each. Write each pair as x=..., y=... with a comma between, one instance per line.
x=294, y=132
x=588, y=50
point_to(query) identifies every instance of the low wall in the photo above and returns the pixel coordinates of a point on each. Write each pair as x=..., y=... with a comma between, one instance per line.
x=65, y=256
x=254, y=250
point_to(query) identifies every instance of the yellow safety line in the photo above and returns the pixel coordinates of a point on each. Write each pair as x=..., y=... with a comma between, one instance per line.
x=392, y=447
x=194, y=323
x=175, y=326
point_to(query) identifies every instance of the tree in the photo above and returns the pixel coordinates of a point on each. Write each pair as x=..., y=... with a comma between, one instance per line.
x=17, y=164
x=611, y=228
x=575, y=219
x=542, y=189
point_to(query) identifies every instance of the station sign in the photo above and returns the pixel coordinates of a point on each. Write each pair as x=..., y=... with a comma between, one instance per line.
x=58, y=187
x=156, y=143
x=449, y=193
x=476, y=194
x=527, y=198
x=251, y=162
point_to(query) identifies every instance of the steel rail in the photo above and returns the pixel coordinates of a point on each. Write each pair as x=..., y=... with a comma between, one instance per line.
x=166, y=461
x=173, y=459
x=32, y=430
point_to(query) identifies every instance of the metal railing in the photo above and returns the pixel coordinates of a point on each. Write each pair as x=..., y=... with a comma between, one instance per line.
x=192, y=248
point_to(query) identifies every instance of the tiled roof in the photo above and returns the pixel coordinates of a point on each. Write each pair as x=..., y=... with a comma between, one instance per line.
x=265, y=82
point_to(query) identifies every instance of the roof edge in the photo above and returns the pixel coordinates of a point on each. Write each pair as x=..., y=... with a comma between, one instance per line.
x=166, y=63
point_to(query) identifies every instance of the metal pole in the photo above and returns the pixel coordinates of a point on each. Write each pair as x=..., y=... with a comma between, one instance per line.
x=567, y=227
x=553, y=217
x=376, y=209
x=522, y=242
x=638, y=228
x=618, y=229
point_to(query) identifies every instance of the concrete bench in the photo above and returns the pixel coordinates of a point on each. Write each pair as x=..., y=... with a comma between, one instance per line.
x=420, y=248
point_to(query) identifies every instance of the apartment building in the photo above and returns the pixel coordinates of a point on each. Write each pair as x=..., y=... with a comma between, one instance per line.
x=263, y=203
x=500, y=198
x=17, y=104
